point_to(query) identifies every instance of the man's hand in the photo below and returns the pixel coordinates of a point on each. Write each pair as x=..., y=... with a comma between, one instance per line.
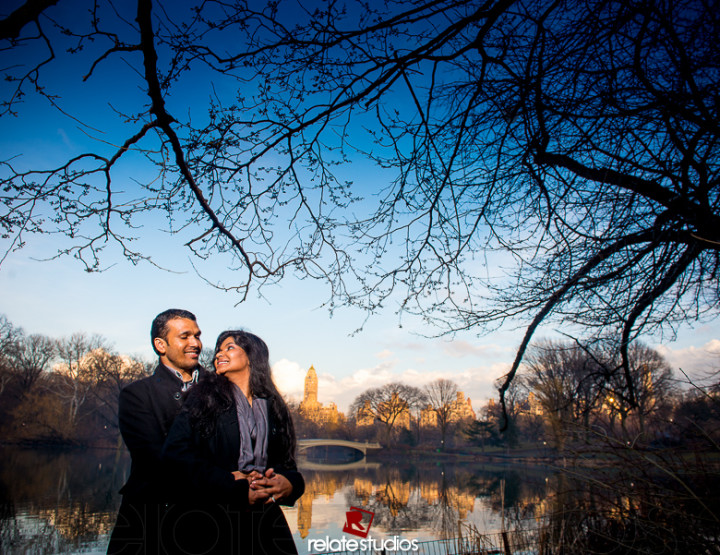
x=255, y=495
x=275, y=486
x=258, y=496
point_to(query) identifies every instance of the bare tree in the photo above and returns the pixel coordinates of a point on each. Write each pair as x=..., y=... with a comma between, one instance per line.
x=440, y=395
x=23, y=358
x=651, y=380
x=260, y=216
x=10, y=337
x=33, y=358
x=580, y=138
x=564, y=378
x=576, y=386
x=108, y=373
x=75, y=379
x=389, y=404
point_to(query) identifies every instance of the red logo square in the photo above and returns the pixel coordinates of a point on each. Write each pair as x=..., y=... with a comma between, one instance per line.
x=358, y=521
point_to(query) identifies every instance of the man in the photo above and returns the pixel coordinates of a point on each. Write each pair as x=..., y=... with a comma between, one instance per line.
x=146, y=411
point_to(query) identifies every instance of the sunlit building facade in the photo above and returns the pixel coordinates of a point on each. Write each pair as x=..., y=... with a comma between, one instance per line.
x=460, y=410
x=311, y=408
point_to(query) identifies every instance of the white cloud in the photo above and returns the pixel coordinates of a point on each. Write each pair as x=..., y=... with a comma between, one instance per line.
x=696, y=362
x=289, y=377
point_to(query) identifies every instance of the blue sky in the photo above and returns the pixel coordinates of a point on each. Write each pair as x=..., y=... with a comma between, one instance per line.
x=58, y=298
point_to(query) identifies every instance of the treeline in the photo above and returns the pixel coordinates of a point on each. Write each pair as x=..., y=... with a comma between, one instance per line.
x=565, y=397
x=65, y=391
x=569, y=396
x=61, y=391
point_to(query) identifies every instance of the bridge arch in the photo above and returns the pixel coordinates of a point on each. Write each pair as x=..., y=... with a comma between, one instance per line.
x=363, y=447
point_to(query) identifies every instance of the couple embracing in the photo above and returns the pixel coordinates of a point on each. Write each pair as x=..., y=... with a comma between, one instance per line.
x=213, y=452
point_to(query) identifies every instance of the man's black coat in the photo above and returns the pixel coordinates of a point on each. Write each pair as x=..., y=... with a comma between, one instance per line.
x=146, y=412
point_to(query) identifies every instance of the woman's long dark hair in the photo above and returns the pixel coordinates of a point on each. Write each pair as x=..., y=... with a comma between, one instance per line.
x=213, y=394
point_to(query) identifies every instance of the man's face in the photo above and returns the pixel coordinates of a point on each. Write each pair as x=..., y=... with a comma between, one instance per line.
x=180, y=349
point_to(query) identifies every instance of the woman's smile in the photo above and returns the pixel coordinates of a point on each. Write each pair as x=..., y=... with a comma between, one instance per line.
x=231, y=358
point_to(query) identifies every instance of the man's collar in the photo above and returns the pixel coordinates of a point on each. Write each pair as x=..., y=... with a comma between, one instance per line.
x=185, y=384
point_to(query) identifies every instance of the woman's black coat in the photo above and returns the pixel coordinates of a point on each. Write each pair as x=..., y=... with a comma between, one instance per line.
x=209, y=510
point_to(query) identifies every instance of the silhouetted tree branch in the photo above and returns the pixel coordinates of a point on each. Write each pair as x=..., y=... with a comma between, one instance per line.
x=536, y=162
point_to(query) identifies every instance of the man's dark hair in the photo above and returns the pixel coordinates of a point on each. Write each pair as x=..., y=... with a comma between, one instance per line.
x=159, y=325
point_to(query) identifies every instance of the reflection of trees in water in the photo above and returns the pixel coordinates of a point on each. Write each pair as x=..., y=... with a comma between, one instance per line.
x=53, y=500
x=453, y=504
x=393, y=498
x=430, y=497
x=646, y=510
x=519, y=493
x=325, y=483
x=612, y=508
x=402, y=497
x=7, y=516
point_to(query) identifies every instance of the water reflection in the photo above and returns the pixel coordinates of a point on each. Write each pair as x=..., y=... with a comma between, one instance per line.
x=66, y=502
x=58, y=502
x=422, y=500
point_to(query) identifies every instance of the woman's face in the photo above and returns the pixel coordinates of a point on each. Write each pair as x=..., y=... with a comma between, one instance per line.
x=231, y=358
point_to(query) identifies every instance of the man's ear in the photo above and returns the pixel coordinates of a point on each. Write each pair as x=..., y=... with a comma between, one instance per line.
x=160, y=345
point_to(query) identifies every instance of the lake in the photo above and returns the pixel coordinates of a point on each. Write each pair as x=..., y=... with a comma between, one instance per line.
x=66, y=501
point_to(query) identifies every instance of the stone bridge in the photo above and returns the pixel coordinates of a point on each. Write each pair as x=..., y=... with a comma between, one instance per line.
x=304, y=444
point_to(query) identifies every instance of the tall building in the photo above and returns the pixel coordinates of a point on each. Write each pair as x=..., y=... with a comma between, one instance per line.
x=365, y=415
x=311, y=408
x=534, y=404
x=311, y=388
x=459, y=410
x=395, y=410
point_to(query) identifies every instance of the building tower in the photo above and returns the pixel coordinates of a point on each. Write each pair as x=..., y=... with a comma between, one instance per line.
x=311, y=408
x=311, y=388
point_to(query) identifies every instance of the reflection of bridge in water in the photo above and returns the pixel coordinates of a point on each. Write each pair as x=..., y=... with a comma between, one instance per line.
x=362, y=464
x=363, y=447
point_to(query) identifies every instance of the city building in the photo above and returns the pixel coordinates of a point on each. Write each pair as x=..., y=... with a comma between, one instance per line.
x=365, y=415
x=459, y=410
x=311, y=408
x=394, y=410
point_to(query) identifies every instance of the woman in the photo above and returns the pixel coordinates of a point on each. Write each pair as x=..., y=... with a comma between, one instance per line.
x=230, y=458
